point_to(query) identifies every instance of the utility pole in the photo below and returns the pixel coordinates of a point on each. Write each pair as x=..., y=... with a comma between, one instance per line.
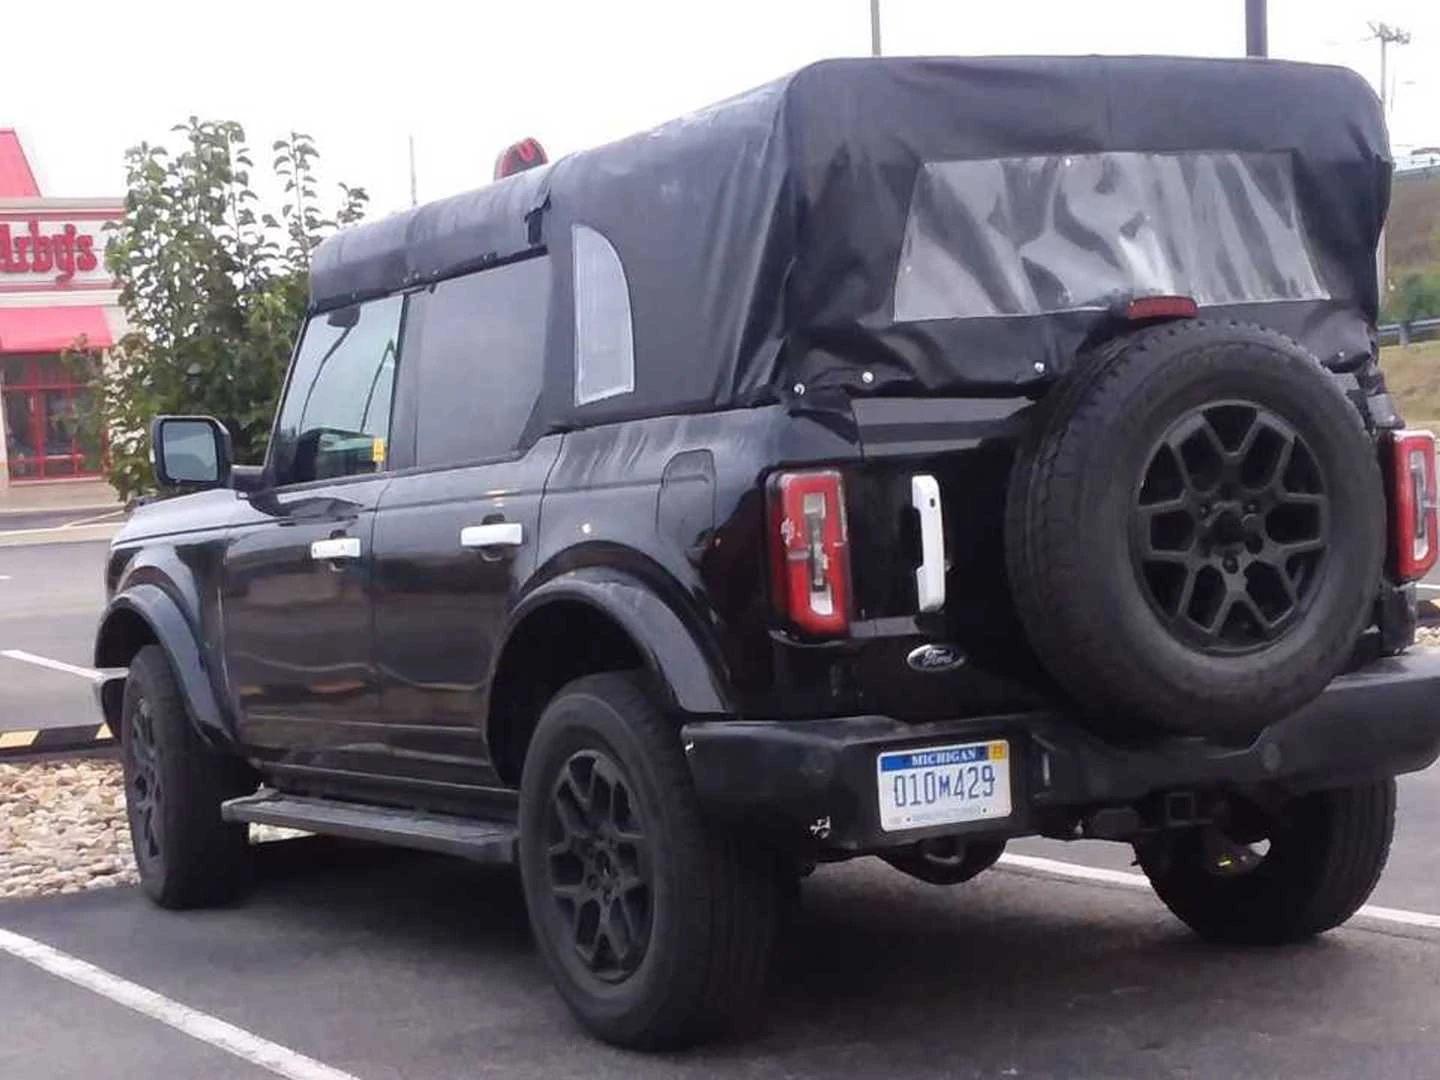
x=414, y=200
x=1257, y=36
x=1387, y=35
x=874, y=27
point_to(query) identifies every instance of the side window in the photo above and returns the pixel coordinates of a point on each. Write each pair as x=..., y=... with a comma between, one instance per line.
x=336, y=416
x=480, y=359
x=604, y=339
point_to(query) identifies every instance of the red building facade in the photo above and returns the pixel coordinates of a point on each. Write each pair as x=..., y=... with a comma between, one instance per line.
x=54, y=294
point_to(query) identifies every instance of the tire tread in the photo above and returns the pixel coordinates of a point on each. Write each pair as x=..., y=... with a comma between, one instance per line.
x=718, y=985
x=206, y=859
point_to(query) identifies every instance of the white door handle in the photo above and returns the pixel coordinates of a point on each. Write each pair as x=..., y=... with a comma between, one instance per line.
x=496, y=534
x=337, y=547
x=930, y=574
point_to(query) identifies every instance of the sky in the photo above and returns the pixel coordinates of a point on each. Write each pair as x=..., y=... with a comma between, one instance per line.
x=84, y=80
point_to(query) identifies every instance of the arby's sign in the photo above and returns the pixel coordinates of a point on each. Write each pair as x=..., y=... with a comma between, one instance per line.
x=50, y=251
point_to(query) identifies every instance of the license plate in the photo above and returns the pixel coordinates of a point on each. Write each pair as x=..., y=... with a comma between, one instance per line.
x=943, y=785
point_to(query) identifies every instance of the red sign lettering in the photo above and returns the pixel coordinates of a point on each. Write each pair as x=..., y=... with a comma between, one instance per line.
x=61, y=253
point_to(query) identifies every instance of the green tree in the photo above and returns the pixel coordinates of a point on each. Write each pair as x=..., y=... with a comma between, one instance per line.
x=212, y=287
x=1416, y=297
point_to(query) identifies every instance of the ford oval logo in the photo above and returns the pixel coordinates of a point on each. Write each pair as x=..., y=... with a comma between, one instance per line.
x=935, y=658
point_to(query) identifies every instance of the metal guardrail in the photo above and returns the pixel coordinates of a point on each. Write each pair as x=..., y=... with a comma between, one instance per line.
x=1418, y=328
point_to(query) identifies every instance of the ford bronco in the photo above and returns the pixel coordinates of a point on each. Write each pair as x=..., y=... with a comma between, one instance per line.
x=897, y=459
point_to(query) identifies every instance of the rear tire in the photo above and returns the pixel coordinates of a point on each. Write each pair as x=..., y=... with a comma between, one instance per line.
x=174, y=784
x=657, y=929
x=1327, y=851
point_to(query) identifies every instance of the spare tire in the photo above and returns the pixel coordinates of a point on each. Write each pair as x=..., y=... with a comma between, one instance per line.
x=1195, y=531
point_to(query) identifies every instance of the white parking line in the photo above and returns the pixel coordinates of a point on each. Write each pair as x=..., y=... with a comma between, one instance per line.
x=1057, y=868
x=1426, y=587
x=278, y=1059
x=91, y=531
x=109, y=515
x=53, y=665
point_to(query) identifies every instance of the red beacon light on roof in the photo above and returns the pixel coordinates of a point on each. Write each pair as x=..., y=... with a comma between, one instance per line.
x=517, y=157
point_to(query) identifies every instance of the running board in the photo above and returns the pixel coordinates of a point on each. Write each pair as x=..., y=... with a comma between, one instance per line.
x=480, y=841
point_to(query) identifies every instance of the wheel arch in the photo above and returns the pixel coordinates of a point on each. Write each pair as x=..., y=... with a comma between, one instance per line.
x=145, y=614
x=586, y=621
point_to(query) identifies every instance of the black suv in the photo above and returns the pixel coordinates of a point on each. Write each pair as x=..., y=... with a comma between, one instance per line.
x=897, y=459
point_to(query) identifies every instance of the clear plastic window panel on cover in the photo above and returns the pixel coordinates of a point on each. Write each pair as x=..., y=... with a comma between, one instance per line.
x=604, y=335
x=1042, y=235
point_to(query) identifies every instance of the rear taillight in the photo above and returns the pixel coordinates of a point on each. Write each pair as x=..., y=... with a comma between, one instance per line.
x=811, y=564
x=1414, y=503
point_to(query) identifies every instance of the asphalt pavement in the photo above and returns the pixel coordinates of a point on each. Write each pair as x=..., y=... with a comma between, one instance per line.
x=387, y=965
x=51, y=596
x=380, y=964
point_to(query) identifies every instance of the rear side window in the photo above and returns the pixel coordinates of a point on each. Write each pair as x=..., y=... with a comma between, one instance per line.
x=604, y=338
x=480, y=359
x=335, y=419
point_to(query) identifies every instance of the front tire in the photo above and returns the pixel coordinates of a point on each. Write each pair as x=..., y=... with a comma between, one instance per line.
x=656, y=928
x=1325, y=855
x=187, y=856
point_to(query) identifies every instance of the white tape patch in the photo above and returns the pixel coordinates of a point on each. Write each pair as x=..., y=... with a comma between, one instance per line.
x=198, y=1025
x=1099, y=875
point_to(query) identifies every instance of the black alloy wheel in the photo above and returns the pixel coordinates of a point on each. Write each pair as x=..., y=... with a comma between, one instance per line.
x=143, y=785
x=599, y=865
x=1231, y=527
x=1195, y=531
x=655, y=923
x=187, y=855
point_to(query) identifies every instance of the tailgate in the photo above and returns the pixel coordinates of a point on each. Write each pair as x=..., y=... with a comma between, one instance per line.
x=926, y=517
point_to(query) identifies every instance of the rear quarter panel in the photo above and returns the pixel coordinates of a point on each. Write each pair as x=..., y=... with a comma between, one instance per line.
x=677, y=503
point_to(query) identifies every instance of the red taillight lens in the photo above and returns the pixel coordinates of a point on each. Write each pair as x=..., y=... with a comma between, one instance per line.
x=1414, y=503
x=811, y=565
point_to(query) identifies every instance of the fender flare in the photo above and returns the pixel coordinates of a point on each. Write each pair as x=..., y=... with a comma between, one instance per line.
x=172, y=630
x=671, y=648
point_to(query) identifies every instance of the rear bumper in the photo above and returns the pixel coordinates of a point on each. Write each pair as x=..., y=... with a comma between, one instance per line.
x=813, y=781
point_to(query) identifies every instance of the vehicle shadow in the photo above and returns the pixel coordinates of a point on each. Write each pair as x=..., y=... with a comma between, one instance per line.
x=877, y=974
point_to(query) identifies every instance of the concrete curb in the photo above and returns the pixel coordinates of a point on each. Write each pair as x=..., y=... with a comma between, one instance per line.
x=38, y=741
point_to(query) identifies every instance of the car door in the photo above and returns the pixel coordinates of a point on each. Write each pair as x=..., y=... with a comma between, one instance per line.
x=298, y=635
x=455, y=537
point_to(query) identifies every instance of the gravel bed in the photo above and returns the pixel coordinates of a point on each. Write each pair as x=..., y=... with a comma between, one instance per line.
x=1428, y=636
x=62, y=828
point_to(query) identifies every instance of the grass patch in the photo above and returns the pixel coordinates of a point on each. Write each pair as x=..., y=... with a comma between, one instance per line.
x=1412, y=375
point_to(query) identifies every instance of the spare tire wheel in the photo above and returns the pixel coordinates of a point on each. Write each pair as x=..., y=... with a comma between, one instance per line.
x=1196, y=531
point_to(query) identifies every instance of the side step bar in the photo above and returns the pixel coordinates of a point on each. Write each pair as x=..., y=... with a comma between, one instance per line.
x=480, y=841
